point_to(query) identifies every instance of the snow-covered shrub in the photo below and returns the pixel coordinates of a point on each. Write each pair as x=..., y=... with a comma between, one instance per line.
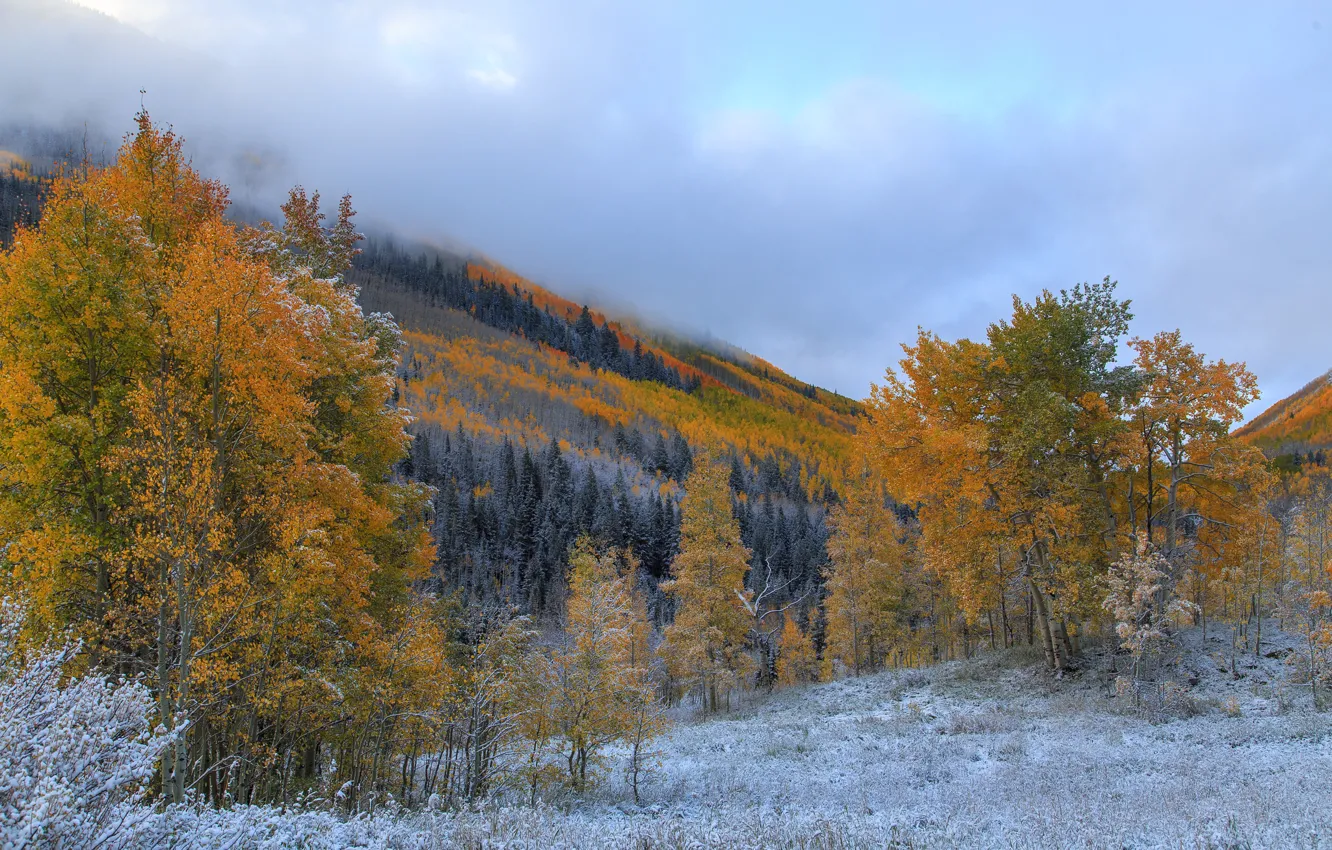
x=75, y=754
x=1141, y=599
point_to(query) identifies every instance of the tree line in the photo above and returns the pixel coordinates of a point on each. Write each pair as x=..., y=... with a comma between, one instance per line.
x=512, y=310
x=1032, y=463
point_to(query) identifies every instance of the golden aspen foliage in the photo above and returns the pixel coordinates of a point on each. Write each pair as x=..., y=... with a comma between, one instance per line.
x=594, y=664
x=1011, y=443
x=1056, y=400
x=491, y=384
x=1311, y=532
x=1189, y=461
x=865, y=580
x=593, y=686
x=797, y=662
x=81, y=298
x=704, y=647
x=1194, y=488
x=1293, y=424
x=1032, y=460
x=196, y=455
x=928, y=443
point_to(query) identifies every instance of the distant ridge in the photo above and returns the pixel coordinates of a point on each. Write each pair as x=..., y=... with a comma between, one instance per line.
x=711, y=362
x=1300, y=422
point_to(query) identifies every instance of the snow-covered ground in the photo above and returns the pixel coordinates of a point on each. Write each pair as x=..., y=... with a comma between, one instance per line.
x=989, y=752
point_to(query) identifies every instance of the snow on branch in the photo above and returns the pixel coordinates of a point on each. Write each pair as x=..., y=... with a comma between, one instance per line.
x=76, y=753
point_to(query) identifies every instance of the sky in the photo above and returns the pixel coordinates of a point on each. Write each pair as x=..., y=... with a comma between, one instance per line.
x=810, y=181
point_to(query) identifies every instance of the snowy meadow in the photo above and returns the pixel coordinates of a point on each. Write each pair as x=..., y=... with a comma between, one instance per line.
x=989, y=752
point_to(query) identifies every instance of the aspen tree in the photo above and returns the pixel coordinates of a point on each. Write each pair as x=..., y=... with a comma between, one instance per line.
x=704, y=647
x=195, y=463
x=595, y=686
x=1189, y=463
x=864, y=579
x=797, y=663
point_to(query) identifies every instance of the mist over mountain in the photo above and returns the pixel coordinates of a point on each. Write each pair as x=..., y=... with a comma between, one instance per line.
x=631, y=159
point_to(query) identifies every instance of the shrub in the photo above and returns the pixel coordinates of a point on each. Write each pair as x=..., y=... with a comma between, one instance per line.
x=76, y=754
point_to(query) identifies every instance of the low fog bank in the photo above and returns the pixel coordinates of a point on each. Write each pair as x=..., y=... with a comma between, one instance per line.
x=621, y=157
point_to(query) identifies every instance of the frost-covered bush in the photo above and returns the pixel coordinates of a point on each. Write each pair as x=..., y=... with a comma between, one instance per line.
x=1141, y=598
x=75, y=753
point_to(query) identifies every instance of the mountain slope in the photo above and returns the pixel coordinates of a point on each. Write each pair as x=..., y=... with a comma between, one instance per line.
x=538, y=420
x=1299, y=423
x=611, y=371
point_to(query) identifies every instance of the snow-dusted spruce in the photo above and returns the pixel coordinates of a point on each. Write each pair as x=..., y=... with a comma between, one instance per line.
x=75, y=753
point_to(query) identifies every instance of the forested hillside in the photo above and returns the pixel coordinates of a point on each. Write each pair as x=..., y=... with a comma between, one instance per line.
x=539, y=420
x=22, y=193
x=294, y=521
x=1297, y=430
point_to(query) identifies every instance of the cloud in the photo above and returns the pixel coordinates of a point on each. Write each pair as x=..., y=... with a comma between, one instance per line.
x=495, y=78
x=809, y=186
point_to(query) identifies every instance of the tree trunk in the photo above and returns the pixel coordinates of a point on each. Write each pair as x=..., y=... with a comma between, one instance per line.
x=182, y=743
x=1043, y=617
x=1061, y=629
x=1031, y=632
x=165, y=712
